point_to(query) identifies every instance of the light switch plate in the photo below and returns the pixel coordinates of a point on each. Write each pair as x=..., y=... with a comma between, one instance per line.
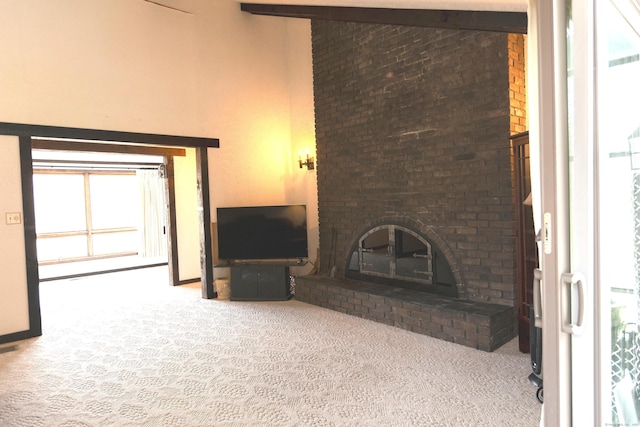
x=13, y=218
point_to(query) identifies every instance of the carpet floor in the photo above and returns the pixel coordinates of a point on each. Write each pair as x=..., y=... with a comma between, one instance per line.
x=126, y=349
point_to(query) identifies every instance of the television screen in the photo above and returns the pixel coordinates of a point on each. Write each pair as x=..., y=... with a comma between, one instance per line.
x=262, y=233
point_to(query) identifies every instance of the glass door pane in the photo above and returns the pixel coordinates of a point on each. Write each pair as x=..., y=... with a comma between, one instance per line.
x=413, y=258
x=59, y=202
x=115, y=201
x=126, y=242
x=580, y=155
x=618, y=249
x=61, y=248
x=376, y=250
x=61, y=221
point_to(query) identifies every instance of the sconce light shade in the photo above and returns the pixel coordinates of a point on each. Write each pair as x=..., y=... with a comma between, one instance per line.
x=308, y=162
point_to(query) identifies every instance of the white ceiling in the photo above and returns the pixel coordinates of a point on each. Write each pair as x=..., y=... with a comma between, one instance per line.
x=490, y=5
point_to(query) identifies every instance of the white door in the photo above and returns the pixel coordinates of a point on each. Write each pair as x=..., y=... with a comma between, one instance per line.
x=591, y=216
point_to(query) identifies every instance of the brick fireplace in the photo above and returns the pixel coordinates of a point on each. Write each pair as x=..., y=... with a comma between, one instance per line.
x=412, y=128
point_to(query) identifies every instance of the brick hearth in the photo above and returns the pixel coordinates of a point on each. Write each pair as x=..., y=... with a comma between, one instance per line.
x=480, y=325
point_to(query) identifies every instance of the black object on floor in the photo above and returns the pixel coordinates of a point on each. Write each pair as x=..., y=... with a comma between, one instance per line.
x=535, y=342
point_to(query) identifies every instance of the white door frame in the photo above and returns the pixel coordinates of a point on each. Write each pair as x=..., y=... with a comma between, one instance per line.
x=548, y=136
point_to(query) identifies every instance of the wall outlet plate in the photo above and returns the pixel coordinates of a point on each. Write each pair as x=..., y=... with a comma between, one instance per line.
x=13, y=218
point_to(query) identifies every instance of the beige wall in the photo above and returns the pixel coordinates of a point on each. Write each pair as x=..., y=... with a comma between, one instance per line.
x=14, y=309
x=209, y=71
x=104, y=64
x=187, y=221
x=264, y=113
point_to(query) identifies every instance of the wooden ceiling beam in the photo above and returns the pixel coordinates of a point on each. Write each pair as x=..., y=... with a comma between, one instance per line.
x=506, y=22
x=105, y=135
x=60, y=145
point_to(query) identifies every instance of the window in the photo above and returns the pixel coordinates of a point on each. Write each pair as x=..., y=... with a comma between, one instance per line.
x=85, y=214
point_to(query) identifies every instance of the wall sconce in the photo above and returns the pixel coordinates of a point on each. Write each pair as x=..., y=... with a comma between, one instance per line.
x=308, y=162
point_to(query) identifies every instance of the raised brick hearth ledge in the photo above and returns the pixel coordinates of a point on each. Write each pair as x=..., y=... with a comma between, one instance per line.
x=474, y=324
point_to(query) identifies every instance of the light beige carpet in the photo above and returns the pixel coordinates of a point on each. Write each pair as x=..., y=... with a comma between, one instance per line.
x=136, y=352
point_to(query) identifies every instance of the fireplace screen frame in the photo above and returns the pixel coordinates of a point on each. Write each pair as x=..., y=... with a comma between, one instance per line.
x=398, y=256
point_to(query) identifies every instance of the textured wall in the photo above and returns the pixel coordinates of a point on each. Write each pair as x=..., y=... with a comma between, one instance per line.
x=412, y=125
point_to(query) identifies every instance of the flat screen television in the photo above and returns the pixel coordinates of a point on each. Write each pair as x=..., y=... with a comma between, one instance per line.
x=262, y=233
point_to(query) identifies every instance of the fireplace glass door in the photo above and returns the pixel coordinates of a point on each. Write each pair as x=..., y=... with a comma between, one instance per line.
x=413, y=257
x=397, y=256
x=375, y=252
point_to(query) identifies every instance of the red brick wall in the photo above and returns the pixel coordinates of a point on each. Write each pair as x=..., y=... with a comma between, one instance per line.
x=517, y=84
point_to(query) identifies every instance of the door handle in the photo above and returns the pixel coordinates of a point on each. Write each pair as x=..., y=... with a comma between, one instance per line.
x=569, y=282
x=537, y=297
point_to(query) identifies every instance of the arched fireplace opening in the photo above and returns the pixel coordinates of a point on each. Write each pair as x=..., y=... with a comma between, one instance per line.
x=398, y=256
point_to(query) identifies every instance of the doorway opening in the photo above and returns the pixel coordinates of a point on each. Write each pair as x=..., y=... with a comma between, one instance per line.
x=102, y=225
x=98, y=212
x=30, y=137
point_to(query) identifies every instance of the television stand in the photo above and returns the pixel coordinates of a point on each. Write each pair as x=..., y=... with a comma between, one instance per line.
x=260, y=282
